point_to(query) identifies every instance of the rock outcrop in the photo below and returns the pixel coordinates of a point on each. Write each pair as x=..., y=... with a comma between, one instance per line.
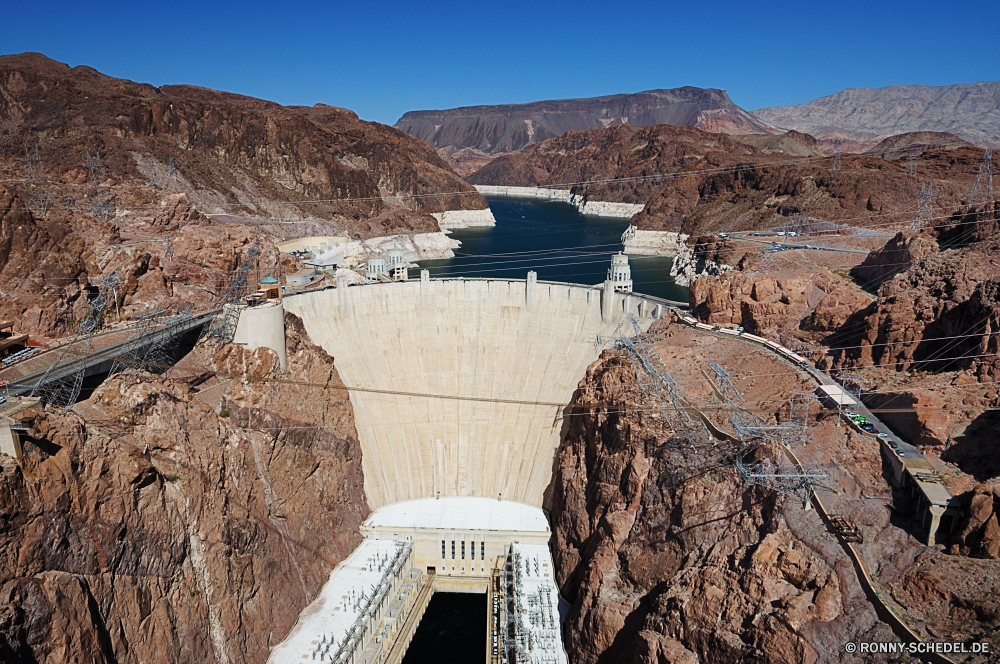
x=980, y=533
x=185, y=518
x=791, y=309
x=656, y=571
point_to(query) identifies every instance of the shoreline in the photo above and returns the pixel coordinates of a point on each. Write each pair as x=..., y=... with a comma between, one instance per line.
x=588, y=208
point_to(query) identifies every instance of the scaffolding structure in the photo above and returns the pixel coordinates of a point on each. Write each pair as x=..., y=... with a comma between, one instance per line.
x=148, y=348
x=223, y=325
x=748, y=426
x=794, y=480
x=61, y=383
x=982, y=189
x=791, y=479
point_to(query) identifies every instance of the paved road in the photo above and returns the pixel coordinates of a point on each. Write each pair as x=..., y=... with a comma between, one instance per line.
x=787, y=246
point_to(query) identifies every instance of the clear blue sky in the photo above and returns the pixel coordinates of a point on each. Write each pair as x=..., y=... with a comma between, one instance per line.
x=381, y=59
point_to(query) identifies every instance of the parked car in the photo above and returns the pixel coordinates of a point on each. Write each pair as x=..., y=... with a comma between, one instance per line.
x=723, y=234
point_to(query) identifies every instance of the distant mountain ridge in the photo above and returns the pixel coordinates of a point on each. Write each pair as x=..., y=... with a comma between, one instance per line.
x=478, y=133
x=864, y=116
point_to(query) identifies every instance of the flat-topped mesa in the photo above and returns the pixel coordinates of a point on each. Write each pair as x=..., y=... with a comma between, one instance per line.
x=510, y=127
x=458, y=386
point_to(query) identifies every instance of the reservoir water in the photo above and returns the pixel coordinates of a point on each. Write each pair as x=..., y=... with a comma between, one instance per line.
x=557, y=242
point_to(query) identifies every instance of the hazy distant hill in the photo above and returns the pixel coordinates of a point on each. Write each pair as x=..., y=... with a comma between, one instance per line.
x=470, y=136
x=867, y=115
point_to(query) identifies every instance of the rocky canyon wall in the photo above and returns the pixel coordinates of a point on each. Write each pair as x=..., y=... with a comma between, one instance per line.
x=185, y=518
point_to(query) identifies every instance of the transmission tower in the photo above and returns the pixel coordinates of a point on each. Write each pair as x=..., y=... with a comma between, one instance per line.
x=982, y=190
x=661, y=387
x=748, y=426
x=794, y=480
x=40, y=199
x=223, y=324
x=173, y=170
x=836, y=161
x=148, y=349
x=101, y=204
x=168, y=253
x=61, y=383
x=911, y=168
x=925, y=210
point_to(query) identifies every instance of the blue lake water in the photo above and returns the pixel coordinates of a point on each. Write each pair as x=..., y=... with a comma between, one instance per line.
x=557, y=242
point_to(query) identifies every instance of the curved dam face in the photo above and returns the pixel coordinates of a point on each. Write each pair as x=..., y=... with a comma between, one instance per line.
x=459, y=385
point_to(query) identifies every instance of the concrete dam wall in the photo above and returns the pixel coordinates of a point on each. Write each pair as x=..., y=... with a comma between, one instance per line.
x=514, y=351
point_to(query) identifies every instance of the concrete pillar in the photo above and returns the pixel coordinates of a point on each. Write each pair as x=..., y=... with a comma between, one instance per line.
x=530, y=286
x=608, y=300
x=658, y=312
x=263, y=326
x=344, y=296
x=934, y=512
x=425, y=277
x=10, y=443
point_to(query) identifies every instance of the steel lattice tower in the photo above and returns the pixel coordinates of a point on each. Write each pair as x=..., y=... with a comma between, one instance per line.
x=61, y=383
x=925, y=209
x=982, y=190
x=223, y=324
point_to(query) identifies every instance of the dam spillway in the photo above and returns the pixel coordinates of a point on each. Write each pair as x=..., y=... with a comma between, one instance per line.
x=458, y=385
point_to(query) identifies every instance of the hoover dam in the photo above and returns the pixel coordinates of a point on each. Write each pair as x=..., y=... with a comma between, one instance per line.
x=458, y=385
x=458, y=388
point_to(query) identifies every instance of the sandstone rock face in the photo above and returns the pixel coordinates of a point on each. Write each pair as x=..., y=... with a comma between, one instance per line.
x=865, y=115
x=187, y=518
x=188, y=260
x=803, y=307
x=914, y=144
x=693, y=182
x=660, y=572
x=980, y=533
x=938, y=314
x=897, y=256
x=492, y=130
